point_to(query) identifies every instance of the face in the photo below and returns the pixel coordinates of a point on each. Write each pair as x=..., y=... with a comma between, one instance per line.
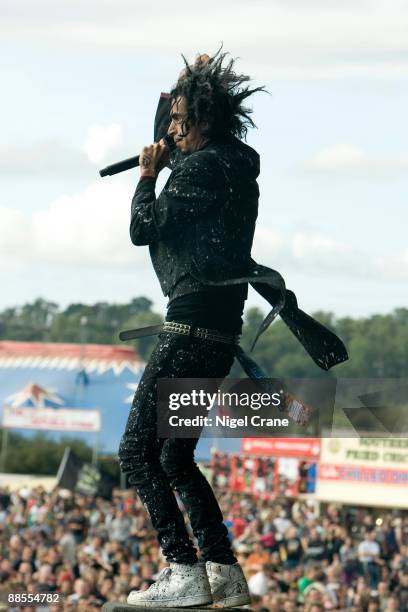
x=188, y=138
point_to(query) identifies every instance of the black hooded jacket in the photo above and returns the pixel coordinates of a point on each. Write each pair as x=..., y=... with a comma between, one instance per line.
x=201, y=226
x=200, y=231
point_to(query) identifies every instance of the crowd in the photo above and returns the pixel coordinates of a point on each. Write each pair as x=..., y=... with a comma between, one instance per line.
x=88, y=551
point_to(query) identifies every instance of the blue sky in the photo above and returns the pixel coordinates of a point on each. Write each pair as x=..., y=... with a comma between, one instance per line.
x=82, y=80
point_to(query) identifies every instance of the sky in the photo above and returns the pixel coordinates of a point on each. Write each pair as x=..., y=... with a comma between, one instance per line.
x=80, y=83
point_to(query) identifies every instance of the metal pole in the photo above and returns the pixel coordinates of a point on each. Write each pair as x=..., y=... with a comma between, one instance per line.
x=4, y=441
x=95, y=451
x=81, y=378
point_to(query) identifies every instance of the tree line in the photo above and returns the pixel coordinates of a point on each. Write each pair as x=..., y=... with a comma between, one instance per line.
x=41, y=455
x=377, y=345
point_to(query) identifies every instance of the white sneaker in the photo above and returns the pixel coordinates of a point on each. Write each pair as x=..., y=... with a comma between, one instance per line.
x=228, y=585
x=179, y=585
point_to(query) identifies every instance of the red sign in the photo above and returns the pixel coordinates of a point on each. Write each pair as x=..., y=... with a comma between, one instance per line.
x=305, y=448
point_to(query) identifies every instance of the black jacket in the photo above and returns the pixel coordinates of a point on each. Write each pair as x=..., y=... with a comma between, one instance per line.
x=201, y=226
x=200, y=231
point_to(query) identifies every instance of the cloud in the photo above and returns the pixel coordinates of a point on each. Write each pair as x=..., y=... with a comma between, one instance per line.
x=100, y=140
x=56, y=158
x=50, y=157
x=348, y=159
x=318, y=253
x=89, y=228
x=82, y=230
x=394, y=266
x=314, y=250
x=267, y=243
x=14, y=232
x=322, y=39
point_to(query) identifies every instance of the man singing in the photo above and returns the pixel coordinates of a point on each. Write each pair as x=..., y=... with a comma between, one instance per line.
x=200, y=227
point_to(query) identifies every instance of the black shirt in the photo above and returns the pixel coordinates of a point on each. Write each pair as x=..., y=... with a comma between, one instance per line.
x=218, y=308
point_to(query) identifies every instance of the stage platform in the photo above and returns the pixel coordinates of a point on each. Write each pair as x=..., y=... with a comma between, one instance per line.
x=117, y=606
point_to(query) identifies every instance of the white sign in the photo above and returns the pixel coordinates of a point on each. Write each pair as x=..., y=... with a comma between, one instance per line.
x=55, y=419
x=364, y=471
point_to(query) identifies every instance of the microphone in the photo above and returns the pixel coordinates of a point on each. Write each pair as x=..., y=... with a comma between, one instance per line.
x=132, y=162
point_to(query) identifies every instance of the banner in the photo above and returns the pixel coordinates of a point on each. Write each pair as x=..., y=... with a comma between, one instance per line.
x=305, y=448
x=78, y=476
x=54, y=419
x=364, y=471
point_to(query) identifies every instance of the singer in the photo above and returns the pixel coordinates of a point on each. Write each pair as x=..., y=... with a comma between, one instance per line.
x=201, y=226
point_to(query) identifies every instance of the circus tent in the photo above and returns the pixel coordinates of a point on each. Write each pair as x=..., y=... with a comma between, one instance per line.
x=83, y=377
x=72, y=376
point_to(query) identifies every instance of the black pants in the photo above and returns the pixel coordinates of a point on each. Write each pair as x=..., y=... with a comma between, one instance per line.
x=156, y=467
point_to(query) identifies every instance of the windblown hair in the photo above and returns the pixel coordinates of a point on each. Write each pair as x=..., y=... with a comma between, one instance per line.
x=215, y=95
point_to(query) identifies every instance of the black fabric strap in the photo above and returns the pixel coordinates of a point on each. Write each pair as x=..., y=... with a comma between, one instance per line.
x=131, y=334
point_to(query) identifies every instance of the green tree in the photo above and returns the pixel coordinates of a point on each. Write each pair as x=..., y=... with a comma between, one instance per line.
x=377, y=345
x=41, y=455
x=31, y=322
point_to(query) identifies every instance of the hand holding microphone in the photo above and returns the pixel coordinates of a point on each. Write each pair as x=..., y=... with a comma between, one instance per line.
x=162, y=122
x=153, y=158
x=132, y=162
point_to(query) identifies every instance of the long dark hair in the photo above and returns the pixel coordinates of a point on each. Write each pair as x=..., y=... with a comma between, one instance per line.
x=214, y=94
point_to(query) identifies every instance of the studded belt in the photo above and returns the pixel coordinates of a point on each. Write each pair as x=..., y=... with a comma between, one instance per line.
x=173, y=327
x=199, y=332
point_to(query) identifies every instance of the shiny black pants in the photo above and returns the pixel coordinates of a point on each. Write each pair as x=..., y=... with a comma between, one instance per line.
x=156, y=467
